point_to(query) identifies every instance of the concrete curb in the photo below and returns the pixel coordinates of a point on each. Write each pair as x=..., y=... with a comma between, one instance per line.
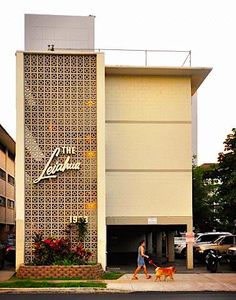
x=96, y=291
x=59, y=290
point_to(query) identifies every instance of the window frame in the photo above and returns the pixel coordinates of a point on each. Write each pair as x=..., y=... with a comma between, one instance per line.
x=3, y=172
x=12, y=178
x=4, y=200
x=12, y=202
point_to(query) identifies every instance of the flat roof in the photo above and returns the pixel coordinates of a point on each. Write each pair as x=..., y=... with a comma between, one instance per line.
x=7, y=140
x=197, y=74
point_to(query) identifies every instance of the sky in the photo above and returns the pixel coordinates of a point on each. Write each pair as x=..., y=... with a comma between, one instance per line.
x=206, y=27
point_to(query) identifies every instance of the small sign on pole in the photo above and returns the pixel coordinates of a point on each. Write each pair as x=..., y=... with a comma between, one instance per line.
x=152, y=220
x=190, y=237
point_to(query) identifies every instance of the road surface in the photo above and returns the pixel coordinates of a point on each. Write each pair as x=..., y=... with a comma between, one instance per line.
x=130, y=296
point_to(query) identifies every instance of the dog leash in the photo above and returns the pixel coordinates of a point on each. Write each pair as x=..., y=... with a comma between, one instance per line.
x=152, y=263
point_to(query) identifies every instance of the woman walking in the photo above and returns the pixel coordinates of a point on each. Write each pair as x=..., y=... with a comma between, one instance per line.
x=141, y=262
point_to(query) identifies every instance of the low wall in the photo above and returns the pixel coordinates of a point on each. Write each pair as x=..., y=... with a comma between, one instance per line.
x=38, y=272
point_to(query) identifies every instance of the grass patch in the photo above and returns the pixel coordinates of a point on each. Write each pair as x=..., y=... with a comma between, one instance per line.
x=112, y=275
x=45, y=284
x=15, y=278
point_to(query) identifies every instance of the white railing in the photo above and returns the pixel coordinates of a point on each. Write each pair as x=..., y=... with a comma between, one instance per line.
x=141, y=57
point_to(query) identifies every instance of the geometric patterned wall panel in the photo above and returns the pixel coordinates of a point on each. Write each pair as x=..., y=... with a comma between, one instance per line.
x=60, y=93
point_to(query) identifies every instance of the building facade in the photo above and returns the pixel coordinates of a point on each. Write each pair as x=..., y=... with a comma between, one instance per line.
x=7, y=185
x=60, y=108
x=148, y=158
x=112, y=144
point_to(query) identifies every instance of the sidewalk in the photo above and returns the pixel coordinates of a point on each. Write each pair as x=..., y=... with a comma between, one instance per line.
x=219, y=282
x=182, y=283
x=6, y=275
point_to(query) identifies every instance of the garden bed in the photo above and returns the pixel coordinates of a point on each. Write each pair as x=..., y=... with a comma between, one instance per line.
x=74, y=271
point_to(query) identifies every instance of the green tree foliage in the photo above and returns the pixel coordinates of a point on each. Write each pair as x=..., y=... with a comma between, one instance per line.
x=204, y=212
x=214, y=191
x=226, y=173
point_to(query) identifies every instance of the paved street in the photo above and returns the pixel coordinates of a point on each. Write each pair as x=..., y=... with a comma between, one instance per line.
x=131, y=296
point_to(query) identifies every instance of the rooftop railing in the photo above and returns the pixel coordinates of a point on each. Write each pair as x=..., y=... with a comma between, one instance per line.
x=142, y=57
x=147, y=57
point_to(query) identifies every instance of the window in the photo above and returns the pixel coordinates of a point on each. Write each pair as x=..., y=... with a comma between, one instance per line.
x=228, y=240
x=11, y=155
x=2, y=201
x=11, y=179
x=10, y=203
x=208, y=238
x=2, y=147
x=2, y=174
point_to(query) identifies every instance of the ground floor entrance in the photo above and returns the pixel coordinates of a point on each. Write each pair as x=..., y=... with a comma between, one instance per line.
x=123, y=241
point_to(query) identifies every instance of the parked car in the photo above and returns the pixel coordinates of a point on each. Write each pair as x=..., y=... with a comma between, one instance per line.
x=219, y=246
x=180, y=244
x=232, y=257
x=180, y=248
x=2, y=254
x=207, y=237
x=10, y=254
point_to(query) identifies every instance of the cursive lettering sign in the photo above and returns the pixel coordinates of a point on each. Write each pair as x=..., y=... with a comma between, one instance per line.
x=50, y=169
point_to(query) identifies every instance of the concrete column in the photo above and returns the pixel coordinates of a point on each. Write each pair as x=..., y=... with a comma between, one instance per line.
x=170, y=246
x=159, y=247
x=190, y=249
x=101, y=176
x=20, y=163
x=149, y=242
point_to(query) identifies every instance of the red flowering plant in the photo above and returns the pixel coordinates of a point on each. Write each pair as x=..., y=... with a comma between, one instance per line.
x=52, y=251
x=81, y=253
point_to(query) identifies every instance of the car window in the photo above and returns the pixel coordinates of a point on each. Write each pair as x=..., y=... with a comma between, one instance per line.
x=228, y=240
x=207, y=238
x=218, y=240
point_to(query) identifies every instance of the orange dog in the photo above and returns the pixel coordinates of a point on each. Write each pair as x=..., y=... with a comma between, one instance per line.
x=167, y=272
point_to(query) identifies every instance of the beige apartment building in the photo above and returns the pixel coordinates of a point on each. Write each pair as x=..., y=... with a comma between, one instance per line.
x=7, y=185
x=148, y=159
x=124, y=137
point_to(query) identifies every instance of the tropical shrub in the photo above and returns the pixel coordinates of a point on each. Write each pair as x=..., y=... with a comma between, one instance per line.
x=52, y=251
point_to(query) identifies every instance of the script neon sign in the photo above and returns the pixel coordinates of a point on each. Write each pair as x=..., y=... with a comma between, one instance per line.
x=51, y=169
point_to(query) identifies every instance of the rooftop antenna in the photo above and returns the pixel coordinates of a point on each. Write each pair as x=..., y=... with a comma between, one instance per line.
x=51, y=47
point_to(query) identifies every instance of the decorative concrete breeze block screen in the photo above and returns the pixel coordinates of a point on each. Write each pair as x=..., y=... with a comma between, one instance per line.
x=60, y=110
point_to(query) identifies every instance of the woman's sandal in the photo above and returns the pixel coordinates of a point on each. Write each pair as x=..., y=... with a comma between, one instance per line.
x=134, y=278
x=149, y=276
